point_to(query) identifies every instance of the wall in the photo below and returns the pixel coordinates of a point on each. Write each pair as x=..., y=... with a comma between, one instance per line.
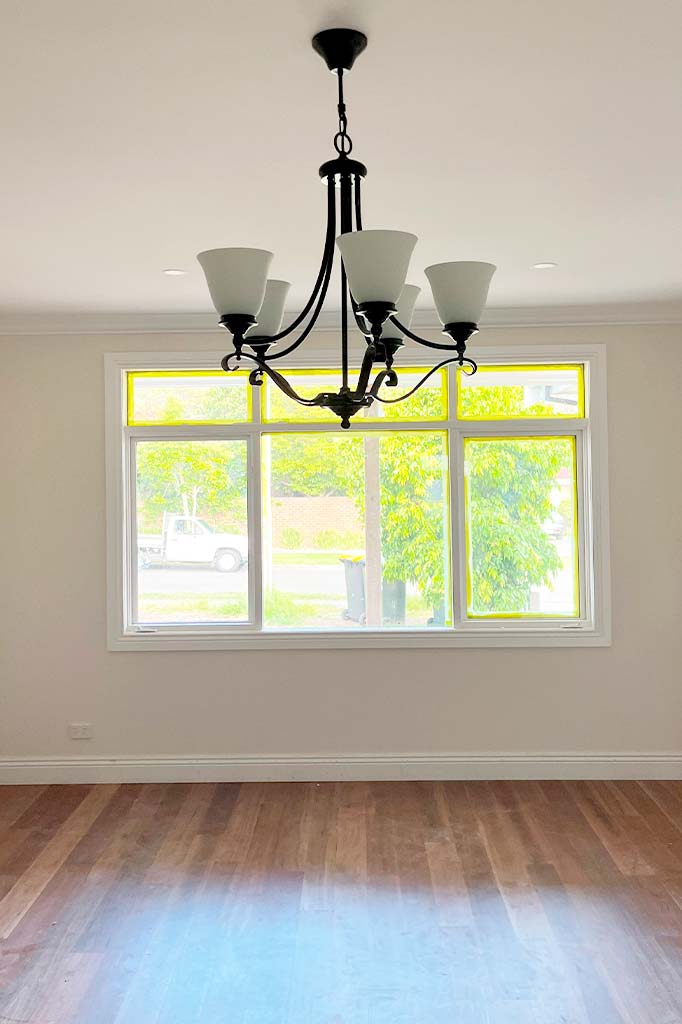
x=312, y=516
x=446, y=710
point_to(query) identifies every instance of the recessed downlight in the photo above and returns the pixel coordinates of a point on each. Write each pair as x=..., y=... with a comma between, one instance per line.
x=544, y=266
x=174, y=272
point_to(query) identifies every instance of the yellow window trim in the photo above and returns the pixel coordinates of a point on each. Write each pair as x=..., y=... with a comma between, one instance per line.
x=575, y=614
x=133, y=375
x=525, y=368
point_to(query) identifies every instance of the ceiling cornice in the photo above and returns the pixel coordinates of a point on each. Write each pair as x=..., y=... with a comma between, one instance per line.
x=205, y=323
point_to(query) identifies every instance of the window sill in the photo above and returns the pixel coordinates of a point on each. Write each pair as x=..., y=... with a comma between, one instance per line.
x=463, y=636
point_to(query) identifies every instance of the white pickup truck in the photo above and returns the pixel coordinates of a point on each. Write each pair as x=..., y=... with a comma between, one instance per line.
x=190, y=539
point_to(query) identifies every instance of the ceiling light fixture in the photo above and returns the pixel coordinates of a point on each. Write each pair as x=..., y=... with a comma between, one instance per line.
x=373, y=271
x=544, y=266
x=174, y=272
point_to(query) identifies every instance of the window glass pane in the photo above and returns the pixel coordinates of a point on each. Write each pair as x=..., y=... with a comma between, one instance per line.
x=188, y=396
x=192, y=546
x=430, y=403
x=356, y=530
x=520, y=392
x=520, y=508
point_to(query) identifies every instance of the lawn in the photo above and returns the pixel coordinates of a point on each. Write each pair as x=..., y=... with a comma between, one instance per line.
x=281, y=609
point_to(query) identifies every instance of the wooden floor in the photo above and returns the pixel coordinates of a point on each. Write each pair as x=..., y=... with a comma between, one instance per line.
x=355, y=903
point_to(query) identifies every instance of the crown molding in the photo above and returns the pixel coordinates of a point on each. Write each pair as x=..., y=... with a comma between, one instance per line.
x=624, y=314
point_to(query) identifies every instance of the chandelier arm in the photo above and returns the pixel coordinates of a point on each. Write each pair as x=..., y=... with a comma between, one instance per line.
x=322, y=295
x=327, y=256
x=255, y=379
x=345, y=224
x=344, y=328
x=365, y=370
x=438, y=366
x=420, y=341
x=311, y=323
x=358, y=204
x=359, y=321
x=389, y=376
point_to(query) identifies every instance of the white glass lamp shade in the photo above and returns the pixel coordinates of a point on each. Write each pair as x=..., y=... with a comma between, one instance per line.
x=236, y=278
x=405, y=304
x=376, y=263
x=270, y=315
x=460, y=290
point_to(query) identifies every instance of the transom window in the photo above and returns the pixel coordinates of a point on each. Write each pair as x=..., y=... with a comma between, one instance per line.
x=468, y=514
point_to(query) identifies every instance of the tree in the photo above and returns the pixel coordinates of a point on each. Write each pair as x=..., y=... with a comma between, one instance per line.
x=414, y=526
x=205, y=478
x=509, y=486
x=509, y=492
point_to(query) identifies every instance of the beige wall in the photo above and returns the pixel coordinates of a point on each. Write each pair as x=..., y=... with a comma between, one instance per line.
x=55, y=667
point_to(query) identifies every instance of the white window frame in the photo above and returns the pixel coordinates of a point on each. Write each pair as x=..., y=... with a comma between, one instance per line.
x=591, y=629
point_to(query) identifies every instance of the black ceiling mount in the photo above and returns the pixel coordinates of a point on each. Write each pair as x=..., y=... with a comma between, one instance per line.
x=339, y=47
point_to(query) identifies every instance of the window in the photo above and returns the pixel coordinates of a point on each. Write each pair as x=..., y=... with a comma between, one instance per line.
x=472, y=514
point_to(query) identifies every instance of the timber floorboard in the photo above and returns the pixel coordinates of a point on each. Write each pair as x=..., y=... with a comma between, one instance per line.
x=342, y=903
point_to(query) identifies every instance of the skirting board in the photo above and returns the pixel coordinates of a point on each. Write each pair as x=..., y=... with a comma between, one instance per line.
x=352, y=767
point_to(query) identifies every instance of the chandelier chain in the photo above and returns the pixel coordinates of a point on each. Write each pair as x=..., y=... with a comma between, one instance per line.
x=343, y=144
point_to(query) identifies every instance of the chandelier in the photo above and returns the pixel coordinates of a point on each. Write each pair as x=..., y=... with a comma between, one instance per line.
x=374, y=267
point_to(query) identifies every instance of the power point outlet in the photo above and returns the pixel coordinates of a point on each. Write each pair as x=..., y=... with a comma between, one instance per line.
x=80, y=730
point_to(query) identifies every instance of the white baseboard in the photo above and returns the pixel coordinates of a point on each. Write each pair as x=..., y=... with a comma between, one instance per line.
x=324, y=768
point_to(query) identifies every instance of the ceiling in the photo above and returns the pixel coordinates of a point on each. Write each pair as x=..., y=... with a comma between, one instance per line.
x=136, y=133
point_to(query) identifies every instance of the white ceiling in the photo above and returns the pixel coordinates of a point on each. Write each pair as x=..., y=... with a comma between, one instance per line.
x=136, y=133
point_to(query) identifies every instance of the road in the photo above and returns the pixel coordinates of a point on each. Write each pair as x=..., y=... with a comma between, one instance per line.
x=291, y=579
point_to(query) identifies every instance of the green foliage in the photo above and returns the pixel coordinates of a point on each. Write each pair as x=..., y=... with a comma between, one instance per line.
x=414, y=503
x=202, y=478
x=414, y=512
x=282, y=609
x=337, y=540
x=498, y=401
x=509, y=484
x=509, y=488
x=174, y=400
x=316, y=464
x=192, y=607
x=291, y=538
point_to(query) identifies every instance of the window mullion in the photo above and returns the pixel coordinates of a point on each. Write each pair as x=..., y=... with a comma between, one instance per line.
x=254, y=526
x=520, y=427
x=584, y=525
x=457, y=553
x=209, y=432
x=455, y=474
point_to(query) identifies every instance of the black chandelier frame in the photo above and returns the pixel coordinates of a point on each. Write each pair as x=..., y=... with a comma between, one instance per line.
x=343, y=175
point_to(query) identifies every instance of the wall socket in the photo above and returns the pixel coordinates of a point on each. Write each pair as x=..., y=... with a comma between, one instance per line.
x=80, y=731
